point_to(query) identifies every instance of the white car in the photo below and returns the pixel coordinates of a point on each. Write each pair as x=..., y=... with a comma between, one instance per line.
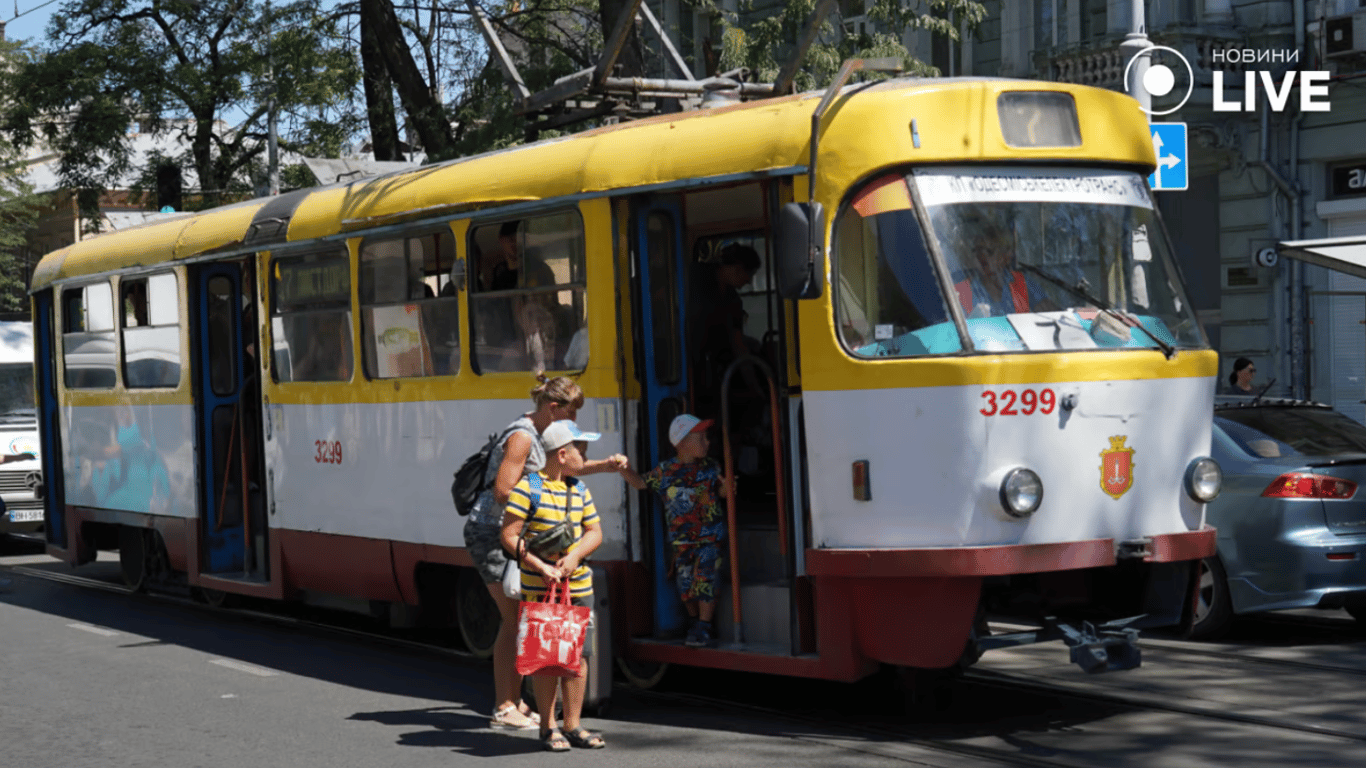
x=21, y=482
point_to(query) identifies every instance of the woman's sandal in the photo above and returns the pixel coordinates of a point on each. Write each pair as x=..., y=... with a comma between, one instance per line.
x=554, y=741
x=512, y=719
x=584, y=739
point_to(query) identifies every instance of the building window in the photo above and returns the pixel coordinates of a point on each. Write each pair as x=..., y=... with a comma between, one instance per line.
x=409, y=313
x=151, y=332
x=527, y=298
x=1045, y=11
x=1094, y=15
x=311, y=317
x=88, y=337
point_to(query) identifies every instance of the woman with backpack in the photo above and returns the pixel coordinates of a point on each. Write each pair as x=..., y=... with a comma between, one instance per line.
x=518, y=453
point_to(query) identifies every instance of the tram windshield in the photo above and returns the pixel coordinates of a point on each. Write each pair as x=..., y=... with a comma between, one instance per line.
x=1037, y=259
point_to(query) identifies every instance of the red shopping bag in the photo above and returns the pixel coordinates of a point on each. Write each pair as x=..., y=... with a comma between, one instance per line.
x=550, y=634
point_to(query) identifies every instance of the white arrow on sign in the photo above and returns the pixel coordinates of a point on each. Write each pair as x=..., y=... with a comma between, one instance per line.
x=1163, y=161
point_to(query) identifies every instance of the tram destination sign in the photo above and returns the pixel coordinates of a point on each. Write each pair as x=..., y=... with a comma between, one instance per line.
x=1348, y=180
x=300, y=283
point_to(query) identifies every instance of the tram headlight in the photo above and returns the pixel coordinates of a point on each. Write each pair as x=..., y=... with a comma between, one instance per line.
x=1204, y=479
x=1021, y=492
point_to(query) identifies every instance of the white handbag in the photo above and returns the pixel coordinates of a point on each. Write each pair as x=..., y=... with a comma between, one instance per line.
x=512, y=580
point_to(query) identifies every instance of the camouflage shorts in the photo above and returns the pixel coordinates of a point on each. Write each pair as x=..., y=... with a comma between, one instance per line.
x=485, y=544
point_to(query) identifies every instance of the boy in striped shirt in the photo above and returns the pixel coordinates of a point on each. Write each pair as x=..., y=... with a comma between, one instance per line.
x=560, y=496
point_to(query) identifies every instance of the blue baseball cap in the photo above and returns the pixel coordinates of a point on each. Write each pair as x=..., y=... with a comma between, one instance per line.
x=563, y=432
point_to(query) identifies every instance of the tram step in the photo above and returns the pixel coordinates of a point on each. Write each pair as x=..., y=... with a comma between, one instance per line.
x=765, y=613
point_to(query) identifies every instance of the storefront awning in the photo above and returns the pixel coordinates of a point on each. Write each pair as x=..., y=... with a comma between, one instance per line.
x=1344, y=254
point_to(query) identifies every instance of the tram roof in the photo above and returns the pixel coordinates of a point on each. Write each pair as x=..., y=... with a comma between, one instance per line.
x=759, y=138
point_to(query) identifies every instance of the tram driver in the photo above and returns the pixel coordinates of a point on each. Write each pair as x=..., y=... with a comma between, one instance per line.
x=990, y=285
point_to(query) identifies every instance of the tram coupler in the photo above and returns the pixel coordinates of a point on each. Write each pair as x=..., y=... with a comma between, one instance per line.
x=1110, y=647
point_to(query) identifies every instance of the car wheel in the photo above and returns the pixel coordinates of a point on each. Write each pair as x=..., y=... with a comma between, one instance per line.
x=1213, y=610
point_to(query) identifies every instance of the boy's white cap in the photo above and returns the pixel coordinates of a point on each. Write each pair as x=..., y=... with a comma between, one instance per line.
x=563, y=432
x=686, y=424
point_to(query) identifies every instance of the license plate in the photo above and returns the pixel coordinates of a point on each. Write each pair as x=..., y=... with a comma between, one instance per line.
x=25, y=515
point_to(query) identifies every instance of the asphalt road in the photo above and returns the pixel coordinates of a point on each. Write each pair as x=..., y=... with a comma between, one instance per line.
x=98, y=679
x=92, y=678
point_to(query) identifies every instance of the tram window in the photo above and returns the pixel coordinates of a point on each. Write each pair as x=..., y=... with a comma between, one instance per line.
x=888, y=301
x=151, y=332
x=88, y=337
x=409, y=311
x=527, y=304
x=221, y=347
x=311, y=317
x=663, y=276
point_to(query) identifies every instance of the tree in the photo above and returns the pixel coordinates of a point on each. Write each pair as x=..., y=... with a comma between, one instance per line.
x=181, y=70
x=759, y=43
x=19, y=206
x=758, y=39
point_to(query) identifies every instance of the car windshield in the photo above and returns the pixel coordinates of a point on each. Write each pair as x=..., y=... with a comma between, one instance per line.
x=1053, y=259
x=1271, y=431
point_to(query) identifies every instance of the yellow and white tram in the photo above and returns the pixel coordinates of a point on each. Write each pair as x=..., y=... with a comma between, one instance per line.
x=988, y=391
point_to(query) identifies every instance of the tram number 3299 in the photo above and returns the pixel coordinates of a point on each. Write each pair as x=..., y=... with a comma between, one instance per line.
x=328, y=452
x=1008, y=402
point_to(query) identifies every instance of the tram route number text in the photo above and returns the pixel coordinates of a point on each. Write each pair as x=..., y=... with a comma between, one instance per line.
x=328, y=452
x=1008, y=402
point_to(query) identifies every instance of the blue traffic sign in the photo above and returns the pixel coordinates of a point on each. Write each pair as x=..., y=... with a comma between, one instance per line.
x=1169, y=144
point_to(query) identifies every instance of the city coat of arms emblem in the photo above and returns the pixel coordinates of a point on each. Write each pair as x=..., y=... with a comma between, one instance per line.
x=1117, y=467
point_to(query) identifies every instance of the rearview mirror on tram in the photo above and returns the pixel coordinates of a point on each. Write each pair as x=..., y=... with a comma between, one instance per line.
x=799, y=259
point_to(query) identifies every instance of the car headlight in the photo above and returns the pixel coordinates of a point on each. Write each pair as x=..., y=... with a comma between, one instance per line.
x=1204, y=478
x=1021, y=492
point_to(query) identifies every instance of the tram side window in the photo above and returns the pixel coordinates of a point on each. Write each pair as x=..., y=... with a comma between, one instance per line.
x=311, y=317
x=527, y=298
x=151, y=332
x=888, y=299
x=88, y=337
x=409, y=311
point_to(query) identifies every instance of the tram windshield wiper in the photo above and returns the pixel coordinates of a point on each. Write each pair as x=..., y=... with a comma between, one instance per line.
x=1080, y=291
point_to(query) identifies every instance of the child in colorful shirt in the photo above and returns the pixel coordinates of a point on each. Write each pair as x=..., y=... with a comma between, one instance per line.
x=691, y=486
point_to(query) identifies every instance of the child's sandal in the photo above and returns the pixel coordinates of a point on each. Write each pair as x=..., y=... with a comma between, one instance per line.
x=584, y=739
x=554, y=741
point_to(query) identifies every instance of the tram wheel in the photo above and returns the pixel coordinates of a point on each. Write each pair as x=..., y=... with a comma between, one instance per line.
x=133, y=557
x=217, y=597
x=476, y=614
x=642, y=674
x=1213, y=610
x=925, y=691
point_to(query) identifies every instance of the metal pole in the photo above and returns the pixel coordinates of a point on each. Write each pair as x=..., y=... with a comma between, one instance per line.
x=1136, y=44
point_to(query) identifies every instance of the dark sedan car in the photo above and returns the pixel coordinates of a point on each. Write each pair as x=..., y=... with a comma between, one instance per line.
x=1291, y=515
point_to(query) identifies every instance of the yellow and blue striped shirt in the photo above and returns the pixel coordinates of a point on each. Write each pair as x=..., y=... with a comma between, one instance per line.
x=555, y=504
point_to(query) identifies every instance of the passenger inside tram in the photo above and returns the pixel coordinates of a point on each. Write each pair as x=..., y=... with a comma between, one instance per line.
x=327, y=355
x=717, y=329
x=990, y=284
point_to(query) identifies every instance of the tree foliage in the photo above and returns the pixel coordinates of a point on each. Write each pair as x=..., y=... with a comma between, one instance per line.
x=200, y=75
x=408, y=75
x=19, y=206
x=760, y=44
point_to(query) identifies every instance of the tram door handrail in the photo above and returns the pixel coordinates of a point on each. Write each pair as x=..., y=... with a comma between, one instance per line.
x=779, y=479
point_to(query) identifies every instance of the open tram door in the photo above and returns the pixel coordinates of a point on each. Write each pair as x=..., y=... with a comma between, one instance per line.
x=233, y=536
x=679, y=243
